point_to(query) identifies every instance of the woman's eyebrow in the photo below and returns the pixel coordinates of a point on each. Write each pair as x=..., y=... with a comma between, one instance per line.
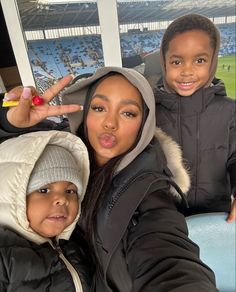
x=100, y=96
x=124, y=101
x=131, y=101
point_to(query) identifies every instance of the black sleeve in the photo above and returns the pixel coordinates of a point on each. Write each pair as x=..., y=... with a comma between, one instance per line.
x=8, y=131
x=5, y=125
x=232, y=174
x=4, y=277
x=231, y=163
x=160, y=256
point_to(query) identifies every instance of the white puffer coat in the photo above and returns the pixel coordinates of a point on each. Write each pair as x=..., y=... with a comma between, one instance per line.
x=29, y=261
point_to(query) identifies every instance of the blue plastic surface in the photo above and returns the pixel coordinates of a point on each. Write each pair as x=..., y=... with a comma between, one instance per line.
x=216, y=239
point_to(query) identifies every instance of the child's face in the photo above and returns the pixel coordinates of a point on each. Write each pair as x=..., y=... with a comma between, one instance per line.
x=114, y=118
x=188, y=61
x=52, y=208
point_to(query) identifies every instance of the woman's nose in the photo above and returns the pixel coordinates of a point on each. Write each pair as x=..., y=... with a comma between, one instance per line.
x=110, y=124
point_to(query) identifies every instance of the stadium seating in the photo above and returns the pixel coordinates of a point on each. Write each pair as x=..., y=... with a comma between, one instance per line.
x=52, y=59
x=216, y=239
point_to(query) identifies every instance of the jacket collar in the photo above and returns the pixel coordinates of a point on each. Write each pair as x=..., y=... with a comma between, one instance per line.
x=197, y=102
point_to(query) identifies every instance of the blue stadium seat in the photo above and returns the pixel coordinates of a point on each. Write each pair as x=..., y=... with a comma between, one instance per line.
x=216, y=239
x=52, y=59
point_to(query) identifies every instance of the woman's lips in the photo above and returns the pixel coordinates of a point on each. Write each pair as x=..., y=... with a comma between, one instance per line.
x=107, y=140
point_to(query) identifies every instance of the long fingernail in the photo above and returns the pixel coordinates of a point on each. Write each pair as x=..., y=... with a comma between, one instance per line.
x=26, y=93
x=9, y=96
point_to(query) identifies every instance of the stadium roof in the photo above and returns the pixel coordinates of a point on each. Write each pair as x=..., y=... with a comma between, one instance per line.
x=44, y=14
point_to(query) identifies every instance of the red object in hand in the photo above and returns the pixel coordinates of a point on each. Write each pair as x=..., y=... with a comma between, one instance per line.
x=37, y=100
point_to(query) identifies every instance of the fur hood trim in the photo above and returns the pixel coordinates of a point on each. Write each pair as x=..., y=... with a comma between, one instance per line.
x=175, y=162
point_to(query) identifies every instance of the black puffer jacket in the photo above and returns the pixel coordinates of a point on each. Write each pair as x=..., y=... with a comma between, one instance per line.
x=44, y=270
x=204, y=125
x=29, y=261
x=141, y=190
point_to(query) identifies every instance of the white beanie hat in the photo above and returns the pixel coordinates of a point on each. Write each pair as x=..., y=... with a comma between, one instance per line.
x=55, y=164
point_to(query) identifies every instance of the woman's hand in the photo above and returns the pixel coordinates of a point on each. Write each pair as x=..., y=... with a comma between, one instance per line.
x=15, y=93
x=232, y=214
x=25, y=115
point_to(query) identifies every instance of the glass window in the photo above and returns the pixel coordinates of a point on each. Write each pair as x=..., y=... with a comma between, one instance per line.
x=142, y=24
x=62, y=37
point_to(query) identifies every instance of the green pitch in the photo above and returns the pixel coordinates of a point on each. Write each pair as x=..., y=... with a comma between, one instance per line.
x=226, y=72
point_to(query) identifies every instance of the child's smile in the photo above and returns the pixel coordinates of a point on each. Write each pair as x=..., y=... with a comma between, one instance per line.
x=188, y=61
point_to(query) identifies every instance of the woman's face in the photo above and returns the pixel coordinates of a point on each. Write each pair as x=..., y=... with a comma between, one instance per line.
x=114, y=118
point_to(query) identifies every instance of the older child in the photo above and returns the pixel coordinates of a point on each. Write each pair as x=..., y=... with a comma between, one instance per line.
x=43, y=180
x=192, y=108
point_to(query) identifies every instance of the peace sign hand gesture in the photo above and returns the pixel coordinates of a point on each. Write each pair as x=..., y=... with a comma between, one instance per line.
x=25, y=115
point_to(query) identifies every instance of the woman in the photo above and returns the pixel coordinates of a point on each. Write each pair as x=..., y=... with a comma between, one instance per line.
x=130, y=216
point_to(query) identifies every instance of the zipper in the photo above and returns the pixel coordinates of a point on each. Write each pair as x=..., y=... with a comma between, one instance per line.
x=122, y=190
x=71, y=269
x=132, y=180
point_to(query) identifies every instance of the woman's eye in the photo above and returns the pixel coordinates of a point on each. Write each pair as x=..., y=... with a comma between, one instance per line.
x=130, y=114
x=97, y=108
x=43, y=190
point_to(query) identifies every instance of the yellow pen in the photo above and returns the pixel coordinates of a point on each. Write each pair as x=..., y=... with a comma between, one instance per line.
x=37, y=100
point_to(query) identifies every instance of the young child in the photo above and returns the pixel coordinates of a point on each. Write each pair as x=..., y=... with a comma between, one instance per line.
x=192, y=107
x=43, y=179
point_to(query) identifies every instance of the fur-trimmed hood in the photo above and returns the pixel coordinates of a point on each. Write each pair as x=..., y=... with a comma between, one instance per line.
x=175, y=162
x=17, y=159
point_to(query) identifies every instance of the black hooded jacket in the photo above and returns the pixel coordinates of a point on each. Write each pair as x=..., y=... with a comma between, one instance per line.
x=204, y=125
x=142, y=247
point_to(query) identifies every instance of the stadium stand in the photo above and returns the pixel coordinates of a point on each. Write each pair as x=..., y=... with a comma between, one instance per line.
x=52, y=59
x=61, y=50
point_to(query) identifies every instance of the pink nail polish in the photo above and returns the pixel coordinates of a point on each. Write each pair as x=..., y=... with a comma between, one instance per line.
x=9, y=96
x=26, y=93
